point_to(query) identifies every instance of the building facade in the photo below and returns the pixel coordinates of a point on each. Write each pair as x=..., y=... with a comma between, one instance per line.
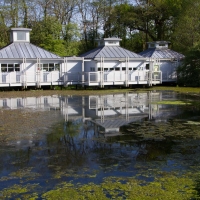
x=165, y=59
x=26, y=65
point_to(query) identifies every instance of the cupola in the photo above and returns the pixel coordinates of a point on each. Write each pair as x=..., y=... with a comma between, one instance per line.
x=158, y=44
x=20, y=35
x=109, y=42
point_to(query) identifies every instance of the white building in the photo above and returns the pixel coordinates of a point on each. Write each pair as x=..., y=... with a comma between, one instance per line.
x=24, y=64
x=110, y=64
x=165, y=59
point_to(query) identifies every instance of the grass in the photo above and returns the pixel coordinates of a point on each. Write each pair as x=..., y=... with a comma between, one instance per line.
x=94, y=91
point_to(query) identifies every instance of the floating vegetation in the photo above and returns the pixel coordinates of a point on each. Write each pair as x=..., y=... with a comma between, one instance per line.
x=19, y=192
x=155, y=157
x=192, y=123
x=24, y=173
x=172, y=102
x=165, y=187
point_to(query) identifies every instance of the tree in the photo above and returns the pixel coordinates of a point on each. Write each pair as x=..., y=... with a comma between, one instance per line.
x=189, y=72
x=186, y=33
x=47, y=34
x=72, y=39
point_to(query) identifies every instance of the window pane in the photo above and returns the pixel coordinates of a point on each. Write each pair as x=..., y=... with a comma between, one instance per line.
x=10, y=68
x=51, y=66
x=4, y=67
x=57, y=67
x=45, y=67
x=21, y=36
x=17, y=67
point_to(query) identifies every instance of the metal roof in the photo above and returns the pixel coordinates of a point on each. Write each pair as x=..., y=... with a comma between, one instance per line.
x=163, y=53
x=110, y=52
x=18, y=50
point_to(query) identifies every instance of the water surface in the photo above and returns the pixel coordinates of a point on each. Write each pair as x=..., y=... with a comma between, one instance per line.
x=83, y=140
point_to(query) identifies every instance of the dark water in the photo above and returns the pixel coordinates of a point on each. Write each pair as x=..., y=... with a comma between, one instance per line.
x=119, y=135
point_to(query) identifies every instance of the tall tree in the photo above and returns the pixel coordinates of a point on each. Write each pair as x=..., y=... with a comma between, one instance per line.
x=189, y=72
x=186, y=33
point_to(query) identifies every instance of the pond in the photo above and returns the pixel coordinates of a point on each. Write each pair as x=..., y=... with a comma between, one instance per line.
x=143, y=145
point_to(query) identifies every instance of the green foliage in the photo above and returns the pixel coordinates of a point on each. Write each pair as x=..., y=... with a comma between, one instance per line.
x=47, y=34
x=54, y=46
x=189, y=72
x=186, y=32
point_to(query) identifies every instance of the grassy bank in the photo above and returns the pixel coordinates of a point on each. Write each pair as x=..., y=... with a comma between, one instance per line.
x=29, y=93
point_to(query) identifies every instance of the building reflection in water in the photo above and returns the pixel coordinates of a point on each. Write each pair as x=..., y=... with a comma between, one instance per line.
x=107, y=112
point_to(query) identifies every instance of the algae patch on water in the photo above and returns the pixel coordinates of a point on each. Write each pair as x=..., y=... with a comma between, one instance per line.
x=172, y=102
x=166, y=187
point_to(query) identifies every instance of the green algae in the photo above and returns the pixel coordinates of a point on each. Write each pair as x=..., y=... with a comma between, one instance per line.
x=25, y=173
x=172, y=102
x=19, y=192
x=163, y=130
x=169, y=186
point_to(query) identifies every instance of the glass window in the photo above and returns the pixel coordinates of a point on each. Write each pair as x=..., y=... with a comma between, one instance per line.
x=57, y=67
x=51, y=67
x=45, y=67
x=117, y=69
x=21, y=36
x=123, y=68
x=130, y=68
x=147, y=66
x=99, y=69
x=10, y=68
x=4, y=67
x=17, y=67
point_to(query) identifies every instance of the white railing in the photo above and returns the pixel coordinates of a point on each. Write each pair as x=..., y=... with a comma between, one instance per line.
x=29, y=77
x=47, y=78
x=73, y=77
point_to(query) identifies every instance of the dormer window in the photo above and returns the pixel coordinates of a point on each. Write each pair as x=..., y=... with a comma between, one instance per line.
x=21, y=36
